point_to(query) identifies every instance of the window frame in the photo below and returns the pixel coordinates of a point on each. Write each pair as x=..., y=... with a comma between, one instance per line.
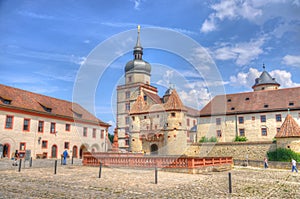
x=94, y=132
x=6, y=122
x=84, y=131
x=66, y=145
x=22, y=144
x=219, y=133
x=264, y=130
x=278, y=118
x=43, y=123
x=242, y=132
x=68, y=127
x=27, y=129
x=263, y=118
x=241, y=119
x=127, y=94
x=51, y=125
x=44, y=141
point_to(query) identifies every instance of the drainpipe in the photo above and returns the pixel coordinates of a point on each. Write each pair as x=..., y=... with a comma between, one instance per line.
x=236, y=126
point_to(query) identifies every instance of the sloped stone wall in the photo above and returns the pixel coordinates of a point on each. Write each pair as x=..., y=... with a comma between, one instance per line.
x=237, y=150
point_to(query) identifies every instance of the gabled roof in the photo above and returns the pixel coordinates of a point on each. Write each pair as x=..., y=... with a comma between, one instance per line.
x=154, y=97
x=289, y=128
x=258, y=101
x=174, y=102
x=138, y=106
x=37, y=103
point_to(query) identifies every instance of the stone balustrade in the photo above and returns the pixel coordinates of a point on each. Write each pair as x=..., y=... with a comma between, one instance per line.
x=141, y=161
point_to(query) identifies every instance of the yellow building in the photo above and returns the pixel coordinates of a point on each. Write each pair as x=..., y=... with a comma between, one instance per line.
x=256, y=115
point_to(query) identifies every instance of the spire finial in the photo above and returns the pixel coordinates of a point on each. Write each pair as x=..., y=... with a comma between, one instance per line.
x=138, y=43
x=139, y=28
x=264, y=66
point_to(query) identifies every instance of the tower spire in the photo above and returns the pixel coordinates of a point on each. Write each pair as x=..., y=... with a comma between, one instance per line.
x=138, y=42
x=264, y=67
x=138, y=50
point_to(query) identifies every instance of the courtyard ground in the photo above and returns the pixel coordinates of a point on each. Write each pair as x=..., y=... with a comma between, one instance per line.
x=76, y=181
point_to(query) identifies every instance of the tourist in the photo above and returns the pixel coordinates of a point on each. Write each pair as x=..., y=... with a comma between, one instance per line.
x=16, y=156
x=65, y=155
x=294, y=167
x=266, y=163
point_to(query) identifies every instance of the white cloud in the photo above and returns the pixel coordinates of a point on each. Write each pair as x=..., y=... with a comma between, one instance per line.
x=255, y=11
x=291, y=60
x=208, y=25
x=284, y=78
x=137, y=4
x=243, y=53
x=247, y=79
x=231, y=10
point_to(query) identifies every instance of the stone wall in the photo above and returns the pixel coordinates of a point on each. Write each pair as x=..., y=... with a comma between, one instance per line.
x=237, y=150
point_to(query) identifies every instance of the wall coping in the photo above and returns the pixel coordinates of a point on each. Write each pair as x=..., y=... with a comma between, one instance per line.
x=232, y=143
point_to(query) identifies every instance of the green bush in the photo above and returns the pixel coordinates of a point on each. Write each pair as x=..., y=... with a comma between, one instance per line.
x=283, y=155
x=205, y=139
x=240, y=139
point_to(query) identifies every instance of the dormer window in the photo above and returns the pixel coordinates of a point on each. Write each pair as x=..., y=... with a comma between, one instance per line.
x=266, y=106
x=79, y=115
x=228, y=100
x=247, y=98
x=291, y=103
x=47, y=109
x=5, y=101
x=232, y=108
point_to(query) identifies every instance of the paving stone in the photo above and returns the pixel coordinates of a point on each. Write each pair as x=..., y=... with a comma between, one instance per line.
x=83, y=182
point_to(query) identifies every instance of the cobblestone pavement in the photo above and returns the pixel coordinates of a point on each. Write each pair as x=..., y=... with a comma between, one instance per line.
x=83, y=182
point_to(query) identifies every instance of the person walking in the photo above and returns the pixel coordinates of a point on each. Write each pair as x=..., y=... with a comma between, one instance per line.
x=65, y=155
x=266, y=165
x=294, y=167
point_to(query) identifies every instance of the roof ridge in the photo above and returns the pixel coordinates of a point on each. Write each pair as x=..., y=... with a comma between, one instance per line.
x=34, y=93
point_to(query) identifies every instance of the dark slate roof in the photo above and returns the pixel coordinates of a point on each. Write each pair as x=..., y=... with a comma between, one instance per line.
x=37, y=103
x=265, y=79
x=289, y=128
x=258, y=101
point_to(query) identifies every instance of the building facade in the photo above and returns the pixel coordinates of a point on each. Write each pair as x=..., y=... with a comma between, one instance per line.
x=147, y=122
x=44, y=126
x=256, y=115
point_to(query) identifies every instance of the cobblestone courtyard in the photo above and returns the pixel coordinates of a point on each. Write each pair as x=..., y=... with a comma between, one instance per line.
x=83, y=182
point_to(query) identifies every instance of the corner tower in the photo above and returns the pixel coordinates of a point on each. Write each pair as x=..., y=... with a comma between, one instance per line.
x=265, y=82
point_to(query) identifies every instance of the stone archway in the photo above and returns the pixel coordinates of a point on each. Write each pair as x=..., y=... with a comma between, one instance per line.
x=54, y=151
x=81, y=150
x=75, y=151
x=6, y=150
x=154, y=149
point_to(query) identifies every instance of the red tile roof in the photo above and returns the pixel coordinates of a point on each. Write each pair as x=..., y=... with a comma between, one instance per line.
x=155, y=98
x=258, y=101
x=289, y=128
x=139, y=105
x=174, y=102
x=33, y=102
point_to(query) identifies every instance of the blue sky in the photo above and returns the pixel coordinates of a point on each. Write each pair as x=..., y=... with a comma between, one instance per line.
x=45, y=44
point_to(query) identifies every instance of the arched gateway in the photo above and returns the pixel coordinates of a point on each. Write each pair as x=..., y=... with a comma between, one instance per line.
x=154, y=149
